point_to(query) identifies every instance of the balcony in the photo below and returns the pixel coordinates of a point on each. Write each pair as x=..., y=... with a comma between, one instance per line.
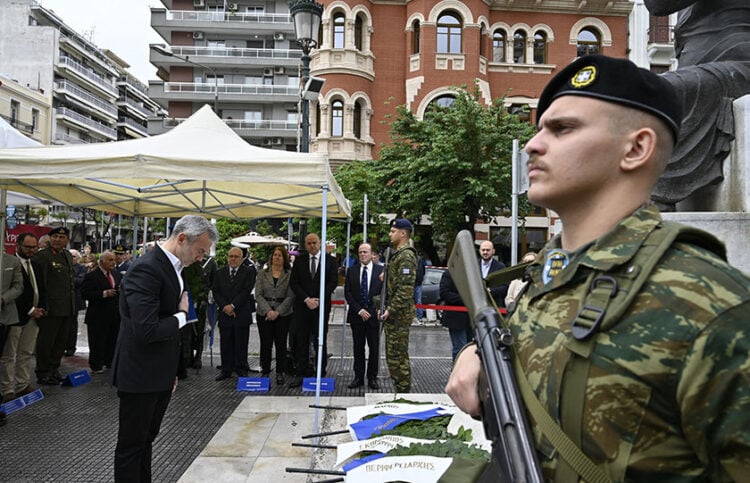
x=85, y=99
x=205, y=92
x=660, y=43
x=166, y=21
x=134, y=107
x=132, y=128
x=131, y=84
x=62, y=138
x=229, y=57
x=246, y=129
x=86, y=123
x=67, y=64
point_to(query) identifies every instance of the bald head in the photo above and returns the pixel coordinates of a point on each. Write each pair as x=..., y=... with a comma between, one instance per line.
x=486, y=250
x=234, y=257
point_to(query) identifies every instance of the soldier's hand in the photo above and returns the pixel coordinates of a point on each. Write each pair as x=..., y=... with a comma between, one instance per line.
x=463, y=383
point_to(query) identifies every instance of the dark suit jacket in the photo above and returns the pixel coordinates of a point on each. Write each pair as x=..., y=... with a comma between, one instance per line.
x=101, y=310
x=353, y=295
x=236, y=293
x=450, y=296
x=25, y=301
x=498, y=293
x=304, y=286
x=148, y=345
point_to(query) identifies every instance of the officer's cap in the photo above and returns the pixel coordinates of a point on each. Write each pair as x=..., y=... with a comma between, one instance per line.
x=403, y=224
x=61, y=230
x=619, y=81
x=119, y=249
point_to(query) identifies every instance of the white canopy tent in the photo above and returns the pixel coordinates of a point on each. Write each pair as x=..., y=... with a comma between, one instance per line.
x=201, y=166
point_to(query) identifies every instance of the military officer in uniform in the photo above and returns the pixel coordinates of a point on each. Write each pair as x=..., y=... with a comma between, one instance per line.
x=659, y=391
x=399, y=307
x=56, y=265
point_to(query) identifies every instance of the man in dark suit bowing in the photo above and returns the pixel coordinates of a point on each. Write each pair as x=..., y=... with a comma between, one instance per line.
x=305, y=283
x=100, y=288
x=361, y=286
x=235, y=303
x=153, y=308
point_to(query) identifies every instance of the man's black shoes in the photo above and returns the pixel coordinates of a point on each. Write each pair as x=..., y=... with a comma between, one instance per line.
x=296, y=382
x=356, y=383
x=222, y=376
x=373, y=384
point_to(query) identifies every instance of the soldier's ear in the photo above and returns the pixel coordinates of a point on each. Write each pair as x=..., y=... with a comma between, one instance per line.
x=639, y=149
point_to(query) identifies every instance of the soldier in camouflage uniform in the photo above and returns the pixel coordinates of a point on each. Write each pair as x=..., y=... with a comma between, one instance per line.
x=662, y=393
x=400, y=310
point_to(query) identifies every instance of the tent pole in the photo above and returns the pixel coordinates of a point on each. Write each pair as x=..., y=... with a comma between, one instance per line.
x=3, y=200
x=135, y=234
x=321, y=309
x=346, y=305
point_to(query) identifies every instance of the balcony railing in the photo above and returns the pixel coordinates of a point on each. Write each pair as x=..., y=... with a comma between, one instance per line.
x=87, y=73
x=87, y=121
x=242, y=124
x=136, y=106
x=133, y=125
x=86, y=96
x=68, y=139
x=266, y=18
x=241, y=89
x=236, y=52
x=134, y=83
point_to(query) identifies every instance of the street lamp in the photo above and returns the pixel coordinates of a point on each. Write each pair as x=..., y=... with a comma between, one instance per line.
x=306, y=16
x=168, y=53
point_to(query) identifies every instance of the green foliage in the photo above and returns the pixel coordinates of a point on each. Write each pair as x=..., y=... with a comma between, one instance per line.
x=451, y=448
x=433, y=428
x=454, y=165
x=228, y=228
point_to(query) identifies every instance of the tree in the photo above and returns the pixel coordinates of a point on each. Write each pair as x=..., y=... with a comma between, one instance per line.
x=454, y=165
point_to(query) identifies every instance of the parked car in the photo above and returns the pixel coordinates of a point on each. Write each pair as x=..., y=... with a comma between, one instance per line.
x=431, y=286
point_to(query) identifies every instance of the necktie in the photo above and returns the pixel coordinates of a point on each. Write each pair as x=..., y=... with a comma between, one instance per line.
x=363, y=289
x=232, y=274
x=32, y=278
x=313, y=267
x=111, y=279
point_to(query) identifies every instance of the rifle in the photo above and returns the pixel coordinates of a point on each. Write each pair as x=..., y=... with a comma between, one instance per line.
x=383, y=287
x=505, y=423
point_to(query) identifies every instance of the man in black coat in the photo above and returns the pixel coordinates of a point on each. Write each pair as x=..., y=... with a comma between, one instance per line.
x=488, y=264
x=102, y=320
x=235, y=305
x=153, y=308
x=305, y=283
x=360, y=288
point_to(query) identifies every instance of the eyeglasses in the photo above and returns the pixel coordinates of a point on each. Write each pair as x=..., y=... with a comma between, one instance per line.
x=29, y=247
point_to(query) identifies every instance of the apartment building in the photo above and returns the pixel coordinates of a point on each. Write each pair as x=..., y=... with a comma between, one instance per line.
x=238, y=57
x=39, y=50
x=25, y=108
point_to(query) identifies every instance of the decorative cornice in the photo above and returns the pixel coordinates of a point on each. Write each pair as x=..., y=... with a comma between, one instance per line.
x=583, y=7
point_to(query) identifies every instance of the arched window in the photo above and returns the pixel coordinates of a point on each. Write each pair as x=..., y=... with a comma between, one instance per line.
x=415, y=37
x=519, y=47
x=339, y=28
x=540, y=48
x=589, y=42
x=446, y=100
x=498, y=46
x=482, y=31
x=358, y=120
x=337, y=118
x=449, y=34
x=358, y=32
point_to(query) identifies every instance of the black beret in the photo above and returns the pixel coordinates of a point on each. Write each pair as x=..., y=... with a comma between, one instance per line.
x=60, y=230
x=619, y=81
x=119, y=249
x=403, y=224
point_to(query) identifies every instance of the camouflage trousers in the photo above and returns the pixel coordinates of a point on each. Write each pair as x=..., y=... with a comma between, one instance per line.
x=397, y=353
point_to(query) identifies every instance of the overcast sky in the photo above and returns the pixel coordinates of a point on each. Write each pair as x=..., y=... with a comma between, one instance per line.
x=122, y=26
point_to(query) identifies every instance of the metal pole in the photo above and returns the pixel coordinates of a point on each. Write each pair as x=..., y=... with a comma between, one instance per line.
x=514, y=216
x=305, y=137
x=321, y=308
x=347, y=260
x=364, y=220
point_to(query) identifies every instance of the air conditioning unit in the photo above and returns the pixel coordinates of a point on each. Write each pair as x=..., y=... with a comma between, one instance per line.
x=232, y=7
x=268, y=71
x=278, y=36
x=198, y=35
x=199, y=3
x=279, y=70
x=277, y=141
x=267, y=141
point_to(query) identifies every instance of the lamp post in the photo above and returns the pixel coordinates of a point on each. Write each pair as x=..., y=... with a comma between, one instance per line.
x=306, y=16
x=185, y=58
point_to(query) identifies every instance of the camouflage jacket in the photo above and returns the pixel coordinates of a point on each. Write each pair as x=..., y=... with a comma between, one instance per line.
x=402, y=272
x=667, y=396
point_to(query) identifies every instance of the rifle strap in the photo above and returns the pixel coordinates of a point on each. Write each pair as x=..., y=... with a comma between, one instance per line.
x=568, y=450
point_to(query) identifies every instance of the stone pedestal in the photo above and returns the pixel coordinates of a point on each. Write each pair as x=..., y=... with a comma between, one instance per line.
x=724, y=209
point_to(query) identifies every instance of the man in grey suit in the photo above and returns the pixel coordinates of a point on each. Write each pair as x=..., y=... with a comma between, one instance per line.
x=12, y=288
x=235, y=303
x=153, y=308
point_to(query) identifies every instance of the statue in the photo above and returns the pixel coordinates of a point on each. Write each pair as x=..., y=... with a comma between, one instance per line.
x=712, y=45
